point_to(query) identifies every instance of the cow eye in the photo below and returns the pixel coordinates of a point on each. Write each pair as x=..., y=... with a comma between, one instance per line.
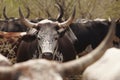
x=56, y=38
x=38, y=38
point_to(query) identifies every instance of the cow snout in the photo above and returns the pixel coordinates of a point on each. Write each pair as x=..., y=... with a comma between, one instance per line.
x=47, y=55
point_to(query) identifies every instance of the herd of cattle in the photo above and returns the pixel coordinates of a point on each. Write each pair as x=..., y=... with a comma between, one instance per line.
x=47, y=48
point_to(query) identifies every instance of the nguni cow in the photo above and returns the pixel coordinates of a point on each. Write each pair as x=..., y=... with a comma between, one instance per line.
x=91, y=32
x=106, y=68
x=40, y=69
x=12, y=24
x=14, y=40
x=47, y=39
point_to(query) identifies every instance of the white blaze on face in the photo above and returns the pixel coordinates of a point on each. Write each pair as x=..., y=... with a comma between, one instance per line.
x=47, y=36
x=46, y=47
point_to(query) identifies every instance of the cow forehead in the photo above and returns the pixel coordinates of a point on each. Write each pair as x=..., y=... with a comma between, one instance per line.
x=46, y=21
x=99, y=19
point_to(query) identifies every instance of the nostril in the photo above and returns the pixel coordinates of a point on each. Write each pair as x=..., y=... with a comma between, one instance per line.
x=47, y=55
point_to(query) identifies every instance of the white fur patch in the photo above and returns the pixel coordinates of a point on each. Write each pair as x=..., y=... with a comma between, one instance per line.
x=98, y=19
x=46, y=21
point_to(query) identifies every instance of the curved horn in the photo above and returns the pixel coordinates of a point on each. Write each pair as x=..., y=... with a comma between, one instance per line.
x=60, y=15
x=69, y=21
x=79, y=65
x=28, y=10
x=26, y=21
x=4, y=13
x=48, y=14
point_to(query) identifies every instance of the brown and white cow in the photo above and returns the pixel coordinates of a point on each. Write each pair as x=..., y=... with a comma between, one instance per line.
x=47, y=39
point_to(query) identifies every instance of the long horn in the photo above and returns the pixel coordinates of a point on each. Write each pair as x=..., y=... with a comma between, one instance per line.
x=26, y=21
x=48, y=13
x=69, y=21
x=28, y=10
x=4, y=13
x=60, y=15
x=79, y=65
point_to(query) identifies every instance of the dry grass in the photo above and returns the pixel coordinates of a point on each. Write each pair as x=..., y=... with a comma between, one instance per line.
x=84, y=8
x=8, y=50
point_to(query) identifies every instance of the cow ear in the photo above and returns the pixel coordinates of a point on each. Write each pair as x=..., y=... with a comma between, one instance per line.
x=61, y=32
x=28, y=38
x=118, y=20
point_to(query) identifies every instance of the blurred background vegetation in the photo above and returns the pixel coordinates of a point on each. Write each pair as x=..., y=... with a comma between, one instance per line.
x=46, y=8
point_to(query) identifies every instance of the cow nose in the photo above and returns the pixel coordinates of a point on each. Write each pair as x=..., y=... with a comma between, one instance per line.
x=47, y=55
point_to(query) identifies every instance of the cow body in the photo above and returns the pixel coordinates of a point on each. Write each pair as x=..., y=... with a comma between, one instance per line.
x=12, y=25
x=89, y=33
x=106, y=68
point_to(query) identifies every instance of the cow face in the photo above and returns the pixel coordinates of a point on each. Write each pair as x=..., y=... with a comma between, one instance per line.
x=47, y=32
x=47, y=39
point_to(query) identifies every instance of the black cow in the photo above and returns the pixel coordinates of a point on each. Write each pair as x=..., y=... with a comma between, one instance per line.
x=92, y=32
x=47, y=39
x=89, y=32
x=12, y=24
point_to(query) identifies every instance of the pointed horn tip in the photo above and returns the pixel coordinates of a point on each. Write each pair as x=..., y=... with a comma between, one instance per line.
x=61, y=13
x=70, y=19
x=73, y=14
x=57, y=4
x=4, y=8
x=4, y=12
x=28, y=9
x=74, y=11
x=20, y=13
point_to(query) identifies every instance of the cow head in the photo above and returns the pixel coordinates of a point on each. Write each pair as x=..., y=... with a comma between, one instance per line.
x=47, y=32
x=12, y=24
